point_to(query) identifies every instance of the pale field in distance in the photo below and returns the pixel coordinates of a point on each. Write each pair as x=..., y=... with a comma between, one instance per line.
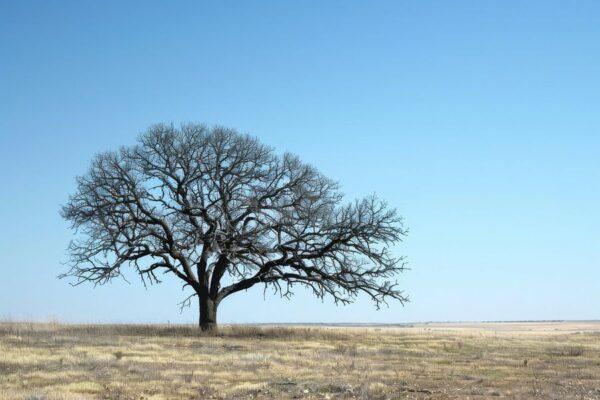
x=48, y=361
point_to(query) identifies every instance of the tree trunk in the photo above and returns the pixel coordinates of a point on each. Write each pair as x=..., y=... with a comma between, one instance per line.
x=208, y=313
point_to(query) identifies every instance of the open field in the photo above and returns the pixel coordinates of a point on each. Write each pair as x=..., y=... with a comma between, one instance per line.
x=427, y=361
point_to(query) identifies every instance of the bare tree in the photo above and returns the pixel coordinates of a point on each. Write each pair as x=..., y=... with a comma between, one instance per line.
x=222, y=212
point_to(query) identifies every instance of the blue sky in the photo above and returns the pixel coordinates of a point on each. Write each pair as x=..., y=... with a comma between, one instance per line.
x=478, y=120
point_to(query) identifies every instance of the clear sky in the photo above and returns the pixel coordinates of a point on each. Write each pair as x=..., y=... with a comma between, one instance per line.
x=478, y=120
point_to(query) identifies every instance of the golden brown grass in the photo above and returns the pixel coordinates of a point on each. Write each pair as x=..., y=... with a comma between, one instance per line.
x=437, y=361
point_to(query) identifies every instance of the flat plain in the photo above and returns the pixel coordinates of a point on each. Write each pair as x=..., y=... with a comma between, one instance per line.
x=537, y=360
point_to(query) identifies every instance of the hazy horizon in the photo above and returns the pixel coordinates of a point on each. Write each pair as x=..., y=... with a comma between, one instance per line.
x=478, y=121
x=313, y=323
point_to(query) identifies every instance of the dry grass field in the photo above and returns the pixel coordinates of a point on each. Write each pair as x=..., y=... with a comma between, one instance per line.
x=431, y=361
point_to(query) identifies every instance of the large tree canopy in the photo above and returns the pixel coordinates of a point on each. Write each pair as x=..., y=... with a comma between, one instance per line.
x=222, y=212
